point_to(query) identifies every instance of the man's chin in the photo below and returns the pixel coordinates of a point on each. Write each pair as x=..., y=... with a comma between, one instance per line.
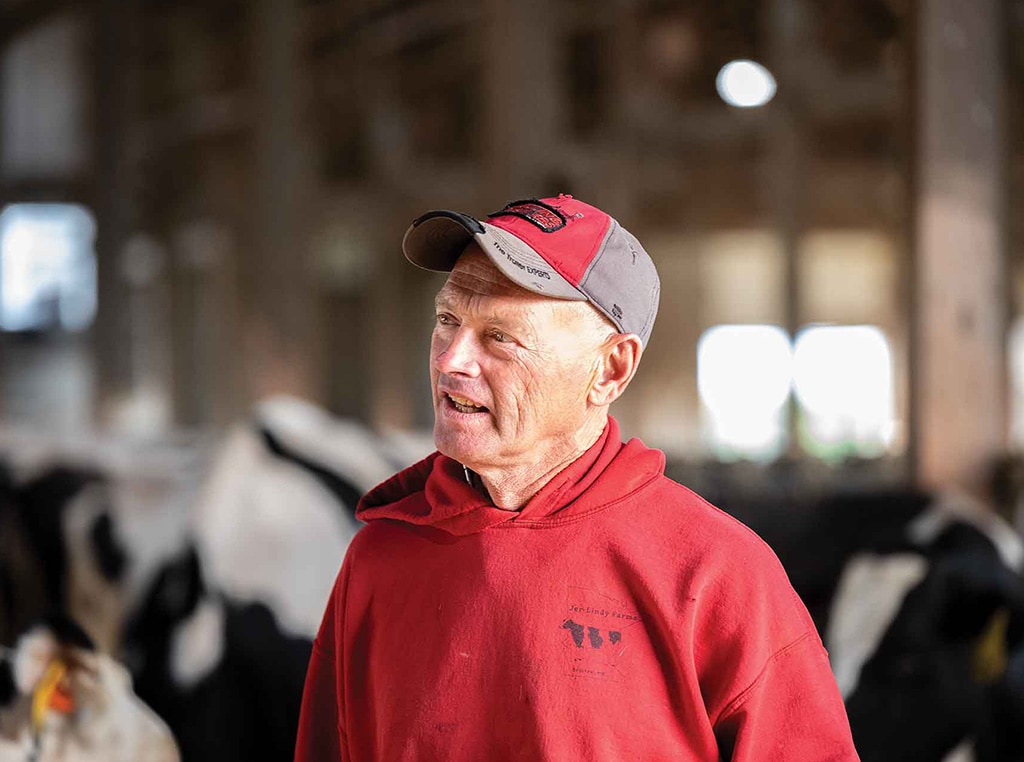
x=466, y=449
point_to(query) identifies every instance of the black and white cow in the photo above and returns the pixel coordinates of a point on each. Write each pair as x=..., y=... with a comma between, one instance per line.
x=223, y=588
x=63, y=701
x=221, y=638
x=921, y=605
x=278, y=508
x=222, y=673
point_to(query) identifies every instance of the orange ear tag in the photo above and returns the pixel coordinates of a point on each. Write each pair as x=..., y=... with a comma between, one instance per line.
x=42, y=697
x=62, y=700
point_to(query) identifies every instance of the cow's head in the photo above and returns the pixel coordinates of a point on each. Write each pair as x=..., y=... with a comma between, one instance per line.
x=934, y=636
x=67, y=701
x=61, y=542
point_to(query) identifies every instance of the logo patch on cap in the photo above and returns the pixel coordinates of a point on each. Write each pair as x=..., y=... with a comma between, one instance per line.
x=545, y=217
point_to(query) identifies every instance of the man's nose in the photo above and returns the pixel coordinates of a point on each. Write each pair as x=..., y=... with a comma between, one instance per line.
x=459, y=357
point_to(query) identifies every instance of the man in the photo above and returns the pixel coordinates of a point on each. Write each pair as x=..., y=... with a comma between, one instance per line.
x=537, y=589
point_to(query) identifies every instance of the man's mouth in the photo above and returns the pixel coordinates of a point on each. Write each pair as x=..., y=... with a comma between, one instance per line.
x=464, y=405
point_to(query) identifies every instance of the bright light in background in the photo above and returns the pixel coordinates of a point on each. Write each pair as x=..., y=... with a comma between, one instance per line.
x=744, y=374
x=745, y=84
x=843, y=380
x=47, y=267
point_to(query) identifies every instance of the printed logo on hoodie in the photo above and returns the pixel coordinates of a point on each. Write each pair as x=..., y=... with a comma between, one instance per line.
x=596, y=629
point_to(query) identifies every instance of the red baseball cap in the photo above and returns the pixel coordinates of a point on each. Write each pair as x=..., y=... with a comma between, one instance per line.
x=559, y=247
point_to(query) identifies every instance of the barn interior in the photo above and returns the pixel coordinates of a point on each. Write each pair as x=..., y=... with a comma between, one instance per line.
x=201, y=213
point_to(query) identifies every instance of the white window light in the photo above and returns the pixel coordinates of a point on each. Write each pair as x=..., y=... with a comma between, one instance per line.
x=47, y=267
x=744, y=375
x=843, y=381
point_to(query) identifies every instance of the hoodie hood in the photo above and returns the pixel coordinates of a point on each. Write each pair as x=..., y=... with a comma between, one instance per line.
x=434, y=492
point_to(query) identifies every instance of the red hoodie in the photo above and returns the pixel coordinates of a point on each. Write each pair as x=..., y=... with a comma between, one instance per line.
x=617, y=616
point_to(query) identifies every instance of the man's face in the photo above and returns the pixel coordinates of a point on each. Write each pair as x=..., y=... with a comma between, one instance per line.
x=510, y=369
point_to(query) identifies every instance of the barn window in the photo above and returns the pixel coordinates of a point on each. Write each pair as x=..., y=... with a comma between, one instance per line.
x=843, y=382
x=744, y=374
x=47, y=267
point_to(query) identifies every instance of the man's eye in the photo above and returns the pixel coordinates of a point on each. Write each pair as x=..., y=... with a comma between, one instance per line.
x=501, y=337
x=444, y=319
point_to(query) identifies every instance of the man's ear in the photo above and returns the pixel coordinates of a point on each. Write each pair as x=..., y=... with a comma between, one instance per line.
x=620, y=357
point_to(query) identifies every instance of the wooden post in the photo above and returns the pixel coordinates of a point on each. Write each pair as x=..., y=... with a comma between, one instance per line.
x=117, y=124
x=958, y=370
x=279, y=302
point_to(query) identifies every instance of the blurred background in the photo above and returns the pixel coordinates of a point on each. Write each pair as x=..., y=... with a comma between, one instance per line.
x=202, y=204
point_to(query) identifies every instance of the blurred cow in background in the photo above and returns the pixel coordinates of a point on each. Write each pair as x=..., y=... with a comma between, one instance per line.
x=278, y=509
x=221, y=638
x=920, y=603
x=63, y=701
x=215, y=594
x=223, y=673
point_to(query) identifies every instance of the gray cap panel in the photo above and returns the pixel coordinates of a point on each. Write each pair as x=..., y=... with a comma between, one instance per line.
x=623, y=268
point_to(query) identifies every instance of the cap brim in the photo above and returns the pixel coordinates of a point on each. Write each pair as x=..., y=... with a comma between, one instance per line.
x=436, y=240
